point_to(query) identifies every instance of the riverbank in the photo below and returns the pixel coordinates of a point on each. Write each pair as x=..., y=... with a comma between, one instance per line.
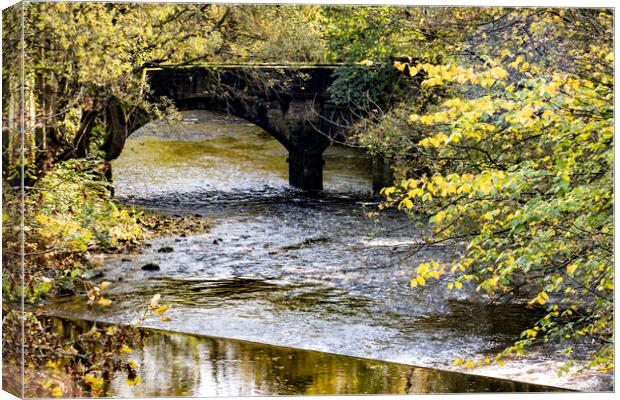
x=71, y=224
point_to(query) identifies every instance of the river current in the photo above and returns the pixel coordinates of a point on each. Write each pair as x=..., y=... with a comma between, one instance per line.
x=285, y=268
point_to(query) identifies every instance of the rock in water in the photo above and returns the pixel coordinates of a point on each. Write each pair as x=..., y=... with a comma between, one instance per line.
x=150, y=267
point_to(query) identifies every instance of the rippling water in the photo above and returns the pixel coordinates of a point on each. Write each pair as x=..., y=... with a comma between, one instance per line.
x=284, y=268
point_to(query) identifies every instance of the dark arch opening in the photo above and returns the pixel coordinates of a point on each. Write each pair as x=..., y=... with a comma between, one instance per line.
x=205, y=104
x=204, y=153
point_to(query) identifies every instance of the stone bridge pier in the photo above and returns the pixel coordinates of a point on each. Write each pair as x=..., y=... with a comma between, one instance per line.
x=289, y=103
x=305, y=170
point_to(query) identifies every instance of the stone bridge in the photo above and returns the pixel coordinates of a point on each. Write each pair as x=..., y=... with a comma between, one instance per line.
x=288, y=102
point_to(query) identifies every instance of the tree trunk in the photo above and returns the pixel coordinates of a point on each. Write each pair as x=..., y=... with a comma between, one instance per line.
x=117, y=131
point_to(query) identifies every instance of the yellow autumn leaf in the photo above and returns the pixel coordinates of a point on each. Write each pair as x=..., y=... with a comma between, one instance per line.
x=457, y=362
x=525, y=66
x=132, y=382
x=125, y=349
x=104, y=302
x=93, y=382
x=458, y=285
x=469, y=364
x=388, y=190
x=407, y=203
x=415, y=192
x=542, y=298
x=57, y=392
x=420, y=280
x=399, y=66
x=161, y=310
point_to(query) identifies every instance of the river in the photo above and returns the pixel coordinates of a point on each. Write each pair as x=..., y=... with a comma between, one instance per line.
x=284, y=268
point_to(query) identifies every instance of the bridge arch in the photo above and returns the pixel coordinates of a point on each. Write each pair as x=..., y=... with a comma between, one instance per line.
x=203, y=103
x=289, y=103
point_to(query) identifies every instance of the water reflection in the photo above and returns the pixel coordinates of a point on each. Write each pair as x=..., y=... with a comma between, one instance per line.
x=172, y=364
x=217, y=367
